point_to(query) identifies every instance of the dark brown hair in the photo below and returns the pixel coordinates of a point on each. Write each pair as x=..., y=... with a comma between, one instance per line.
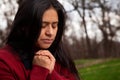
x=27, y=27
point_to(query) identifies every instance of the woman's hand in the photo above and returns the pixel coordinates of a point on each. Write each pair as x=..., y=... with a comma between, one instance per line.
x=45, y=59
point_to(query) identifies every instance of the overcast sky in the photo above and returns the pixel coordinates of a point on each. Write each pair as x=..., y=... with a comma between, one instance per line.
x=92, y=29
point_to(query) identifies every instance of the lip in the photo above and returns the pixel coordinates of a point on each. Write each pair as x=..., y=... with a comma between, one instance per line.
x=47, y=41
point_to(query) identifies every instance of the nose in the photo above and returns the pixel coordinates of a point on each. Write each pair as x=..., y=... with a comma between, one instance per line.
x=49, y=30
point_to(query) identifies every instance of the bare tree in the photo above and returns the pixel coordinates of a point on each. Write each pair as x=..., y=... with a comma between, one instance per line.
x=108, y=30
x=80, y=7
x=8, y=14
x=103, y=22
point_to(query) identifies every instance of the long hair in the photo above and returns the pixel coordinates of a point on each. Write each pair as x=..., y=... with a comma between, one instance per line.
x=26, y=28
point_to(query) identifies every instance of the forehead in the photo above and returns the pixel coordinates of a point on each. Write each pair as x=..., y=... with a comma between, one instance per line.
x=50, y=15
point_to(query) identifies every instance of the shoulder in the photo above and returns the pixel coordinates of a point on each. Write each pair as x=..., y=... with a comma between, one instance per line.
x=10, y=64
x=7, y=55
x=6, y=52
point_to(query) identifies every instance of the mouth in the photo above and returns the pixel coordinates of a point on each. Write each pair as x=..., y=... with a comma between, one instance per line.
x=47, y=41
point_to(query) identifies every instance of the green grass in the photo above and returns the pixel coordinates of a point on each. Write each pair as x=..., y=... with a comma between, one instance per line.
x=105, y=70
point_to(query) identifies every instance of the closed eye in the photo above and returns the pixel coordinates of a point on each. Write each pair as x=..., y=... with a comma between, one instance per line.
x=44, y=24
x=55, y=24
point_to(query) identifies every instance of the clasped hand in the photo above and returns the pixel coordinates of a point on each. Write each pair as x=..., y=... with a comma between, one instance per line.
x=45, y=59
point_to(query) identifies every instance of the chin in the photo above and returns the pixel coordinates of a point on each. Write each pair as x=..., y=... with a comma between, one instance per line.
x=45, y=47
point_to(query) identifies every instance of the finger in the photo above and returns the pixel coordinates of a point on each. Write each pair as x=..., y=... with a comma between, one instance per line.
x=47, y=53
x=41, y=55
x=39, y=52
x=45, y=56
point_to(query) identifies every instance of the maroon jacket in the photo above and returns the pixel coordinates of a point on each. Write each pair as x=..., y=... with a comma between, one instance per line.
x=11, y=68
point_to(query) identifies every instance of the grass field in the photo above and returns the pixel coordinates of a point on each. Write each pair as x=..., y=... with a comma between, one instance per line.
x=99, y=69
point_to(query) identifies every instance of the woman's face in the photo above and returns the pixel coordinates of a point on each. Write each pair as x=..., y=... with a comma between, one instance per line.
x=49, y=28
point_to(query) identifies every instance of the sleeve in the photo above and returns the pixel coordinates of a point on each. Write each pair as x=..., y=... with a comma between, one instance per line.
x=38, y=73
x=5, y=72
x=63, y=75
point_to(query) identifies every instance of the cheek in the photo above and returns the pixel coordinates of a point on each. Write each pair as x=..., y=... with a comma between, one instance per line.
x=38, y=41
x=56, y=31
x=39, y=38
x=41, y=34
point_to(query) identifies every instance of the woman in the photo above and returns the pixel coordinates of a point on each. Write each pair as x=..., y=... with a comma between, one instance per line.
x=34, y=48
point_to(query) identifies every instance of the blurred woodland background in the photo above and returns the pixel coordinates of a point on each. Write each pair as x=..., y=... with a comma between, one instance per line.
x=92, y=28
